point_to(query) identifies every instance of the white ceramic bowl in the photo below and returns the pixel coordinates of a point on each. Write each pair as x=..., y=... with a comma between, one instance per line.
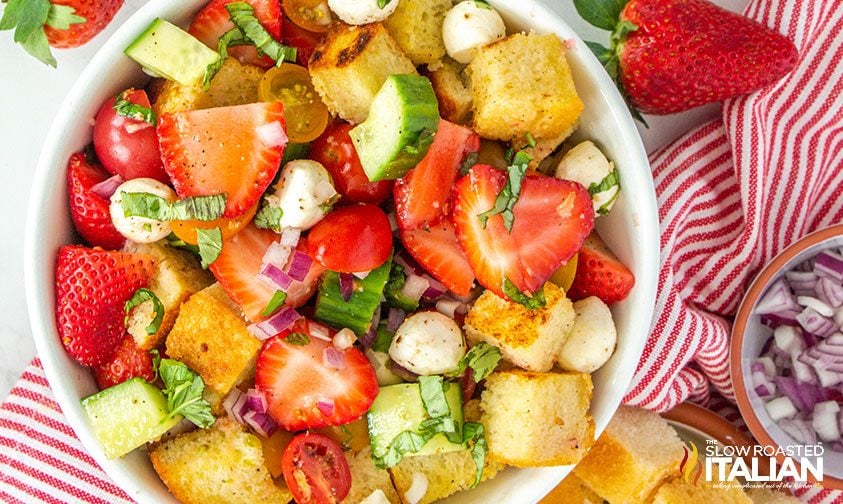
x=631, y=230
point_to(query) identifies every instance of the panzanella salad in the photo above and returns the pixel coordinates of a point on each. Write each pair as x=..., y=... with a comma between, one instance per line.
x=340, y=252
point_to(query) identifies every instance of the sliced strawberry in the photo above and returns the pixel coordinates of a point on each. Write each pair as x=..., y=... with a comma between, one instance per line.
x=437, y=251
x=89, y=211
x=600, y=273
x=304, y=390
x=128, y=361
x=92, y=287
x=213, y=21
x=552, y=218
x=239, y=263
x=423, y=195
x=221, y=150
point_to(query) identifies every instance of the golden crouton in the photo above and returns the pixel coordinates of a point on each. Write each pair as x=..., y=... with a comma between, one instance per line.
x=530, y=339
x=636, y=453
x=522, y=84
x=543, y=149
x=234, y=84
x=768, y=496
x=678, y=491
x=451, y=91
x=366, y=478
x=211, y=338
x=572, y=490
x=351, y=64
x=416, y=26
x=446, y=473
x=221, y=464
x=177, y=277
x=537, y=419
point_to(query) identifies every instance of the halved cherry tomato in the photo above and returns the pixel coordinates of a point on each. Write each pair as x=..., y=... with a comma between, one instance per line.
x=351, y=239
x=304, y=111
x=312, y=15
x=186, y=230
x=127, y=146
x=303, y=40
x=316, y=470
x=337, y=154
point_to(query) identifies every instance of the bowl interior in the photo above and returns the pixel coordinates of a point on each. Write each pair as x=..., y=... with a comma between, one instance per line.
x=754, y=335
x=631, y=230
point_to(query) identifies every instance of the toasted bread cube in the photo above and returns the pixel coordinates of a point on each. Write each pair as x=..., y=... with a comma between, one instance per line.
x=177, y=277
x=451, y=91
x=572, y=490
x=221, y=464
x=211, y=338
x=537, y=419
x=679, y=491
x=768, y=496
x=234, y=84
x=544, y=147
x=636, y=453
x=366, y=478
x=530, y=339
x=351, y=64
x=446, y=474
x=416, y=26
x=522, y=84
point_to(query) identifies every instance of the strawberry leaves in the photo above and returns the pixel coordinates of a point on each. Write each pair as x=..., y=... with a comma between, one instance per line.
x=28, y=18
x=603, y=14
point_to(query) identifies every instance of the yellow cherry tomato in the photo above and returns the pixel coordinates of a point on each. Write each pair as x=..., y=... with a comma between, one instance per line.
x=564, y=276
x=304, y=111
x=313, y=15
x=186, y=230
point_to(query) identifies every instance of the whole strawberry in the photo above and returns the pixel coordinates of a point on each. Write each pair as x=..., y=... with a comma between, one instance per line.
x=40, y=24
x=672, y=55
x=92, y=287
x=89, y=211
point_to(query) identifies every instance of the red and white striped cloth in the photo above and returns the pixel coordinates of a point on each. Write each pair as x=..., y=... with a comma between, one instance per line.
x=735, y=192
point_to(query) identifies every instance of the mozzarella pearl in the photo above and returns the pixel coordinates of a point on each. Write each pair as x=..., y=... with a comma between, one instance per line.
x=140, y=229
x=469, y=26
x=428, y=343
x=358, y=12
x=304, y=193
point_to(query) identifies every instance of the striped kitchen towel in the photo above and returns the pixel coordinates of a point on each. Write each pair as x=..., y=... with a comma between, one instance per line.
x=735, y=192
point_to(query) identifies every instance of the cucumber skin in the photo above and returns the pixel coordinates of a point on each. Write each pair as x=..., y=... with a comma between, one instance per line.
x=137, y=51
x=355, y=314
x=417, y=123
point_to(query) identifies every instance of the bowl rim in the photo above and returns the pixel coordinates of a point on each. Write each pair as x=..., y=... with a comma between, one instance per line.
x=742, y=317
x=41, y=309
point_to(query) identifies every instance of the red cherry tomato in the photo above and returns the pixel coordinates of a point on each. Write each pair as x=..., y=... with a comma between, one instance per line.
x=337, y=154
x=126, y=146
x=315, y=470
x=351, y=239
x=304, y=41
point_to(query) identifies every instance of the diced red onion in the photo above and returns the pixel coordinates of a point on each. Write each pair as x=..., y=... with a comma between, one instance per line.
x=816, y=305
x=414, y=287
x=290, y=236
x=277, y=254
x=789, y=340
x=368, y=338
x=344, y=339
x=764, y=365
x=418, y=488
x=774, y=320
x=346, y=286
x=256, y=401
x=800, y=430
x=402, y=372
x=279, y=321
x=777, y=299
x=299, y=265
x=326, y=407
x=434, y=290
x=394, y=319
x=825, y=421
x=272, y=134
x=451, y=307
x=319, y=331
x=262, y=423
x=393, y=221
x=333, y=358
x=235, y=405
x=361, y=274
x=410, y=266
x=106, y=188
x=275, y=277
x=324, y=191
x=764, y=390
x=801, y=282
x=829, y=292
x=133, y=127
x=815, y=323
x=829, y=264
x=803, y=372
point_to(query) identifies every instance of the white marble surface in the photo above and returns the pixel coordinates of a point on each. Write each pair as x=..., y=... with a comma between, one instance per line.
x=30, y=92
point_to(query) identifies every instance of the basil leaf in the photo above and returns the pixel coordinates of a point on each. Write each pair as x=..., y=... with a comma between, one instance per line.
x=269, y=217
x=473, y=431
x=183, y=389
x=231, y=38
x=531, y=142
x=383, y=3
x=210, y=245
x=383, y=339
x=276, y=302
x=152, y=206
x=125, y=108
x=609, y=181
x=482, y=358
x=297, y=338
x=508, y=197
x=532, y=303
x=601, y=13
x=243, y=17
x=469, y=162
x=433, y=396
x=177, y=242
x=483, y=4
x=142, y=295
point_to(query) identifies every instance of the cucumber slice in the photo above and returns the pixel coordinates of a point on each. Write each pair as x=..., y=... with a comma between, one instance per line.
x=172, y=53
x=128, y=415
x=402, y=120
x=399, y=408
x=356, y=313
